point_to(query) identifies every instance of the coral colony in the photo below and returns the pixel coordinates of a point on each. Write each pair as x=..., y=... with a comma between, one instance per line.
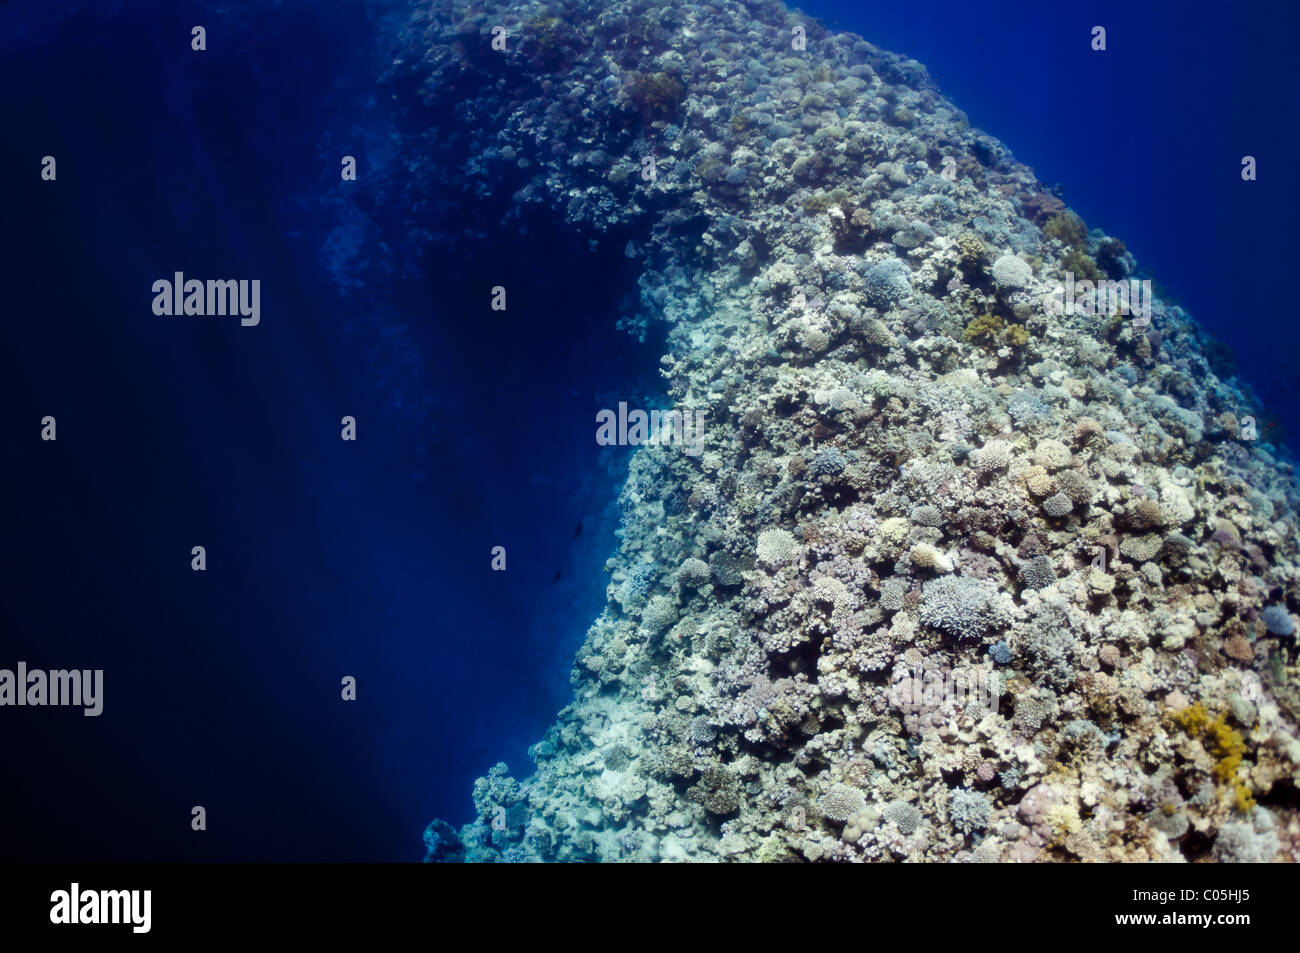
x=981, y=559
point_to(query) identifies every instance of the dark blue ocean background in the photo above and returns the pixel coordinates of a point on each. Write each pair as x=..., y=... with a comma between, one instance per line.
x=476, y=428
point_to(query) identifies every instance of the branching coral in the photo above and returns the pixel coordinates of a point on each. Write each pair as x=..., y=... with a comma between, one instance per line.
x=962, y=607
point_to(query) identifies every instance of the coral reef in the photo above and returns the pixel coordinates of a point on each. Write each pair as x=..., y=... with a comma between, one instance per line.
x=954, y=578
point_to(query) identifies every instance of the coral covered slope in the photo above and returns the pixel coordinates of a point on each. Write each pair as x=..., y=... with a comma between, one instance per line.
x=956, y=576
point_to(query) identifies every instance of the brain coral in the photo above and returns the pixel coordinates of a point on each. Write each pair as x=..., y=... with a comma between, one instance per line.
x=1051, y=455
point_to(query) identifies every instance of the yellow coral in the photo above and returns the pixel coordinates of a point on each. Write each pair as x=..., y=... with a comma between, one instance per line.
x=986, y=326
x=1228, y=745
x=1242, y=799
x=1193, y=719
x=989, y=330
x=1225, y=744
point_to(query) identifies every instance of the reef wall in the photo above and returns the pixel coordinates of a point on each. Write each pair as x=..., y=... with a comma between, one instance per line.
x=962, y=572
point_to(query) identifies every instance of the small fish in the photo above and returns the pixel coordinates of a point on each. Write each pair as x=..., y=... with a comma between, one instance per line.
x=556, y=577
x=577, y=530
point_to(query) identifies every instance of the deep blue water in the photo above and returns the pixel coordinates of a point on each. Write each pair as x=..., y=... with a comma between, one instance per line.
x=325, y=558
x=371, y=559
x=1146, y=140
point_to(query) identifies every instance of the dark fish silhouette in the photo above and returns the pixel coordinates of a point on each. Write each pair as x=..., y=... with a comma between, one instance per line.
x=577, y=530
x=556, y=577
